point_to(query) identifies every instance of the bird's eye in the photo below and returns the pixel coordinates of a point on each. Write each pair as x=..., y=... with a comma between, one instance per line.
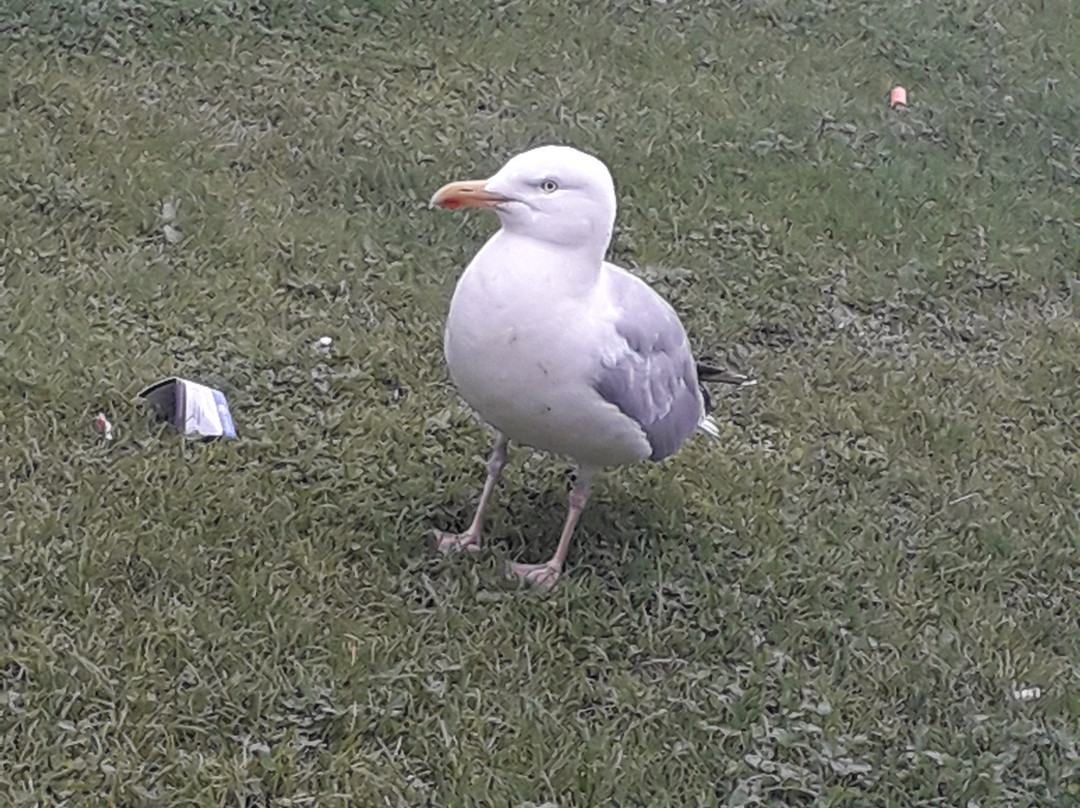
x=549, y=186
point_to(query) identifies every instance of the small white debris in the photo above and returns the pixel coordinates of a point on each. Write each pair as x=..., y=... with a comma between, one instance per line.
x=172, y=235
x=168, y=211
x=324, y=342
x=1027, y=693
x=103, y=427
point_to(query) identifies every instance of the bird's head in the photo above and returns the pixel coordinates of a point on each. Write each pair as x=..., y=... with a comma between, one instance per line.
x=555, y=194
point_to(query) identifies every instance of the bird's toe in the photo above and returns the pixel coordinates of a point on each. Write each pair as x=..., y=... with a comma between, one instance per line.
x=542, y=577
x=449, y=543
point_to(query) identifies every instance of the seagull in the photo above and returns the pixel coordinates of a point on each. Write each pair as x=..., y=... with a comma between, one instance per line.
x=558, y=349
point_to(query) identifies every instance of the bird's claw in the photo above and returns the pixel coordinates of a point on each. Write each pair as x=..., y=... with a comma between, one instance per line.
x=541, y=576
x=450, y=543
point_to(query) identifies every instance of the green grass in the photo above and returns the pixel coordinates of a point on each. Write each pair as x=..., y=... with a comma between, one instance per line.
x=830, y=607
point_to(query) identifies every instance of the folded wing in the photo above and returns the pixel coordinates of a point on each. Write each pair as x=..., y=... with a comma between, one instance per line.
x=651, y=377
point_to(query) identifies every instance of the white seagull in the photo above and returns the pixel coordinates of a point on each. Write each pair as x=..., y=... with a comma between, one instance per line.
x=555, y=347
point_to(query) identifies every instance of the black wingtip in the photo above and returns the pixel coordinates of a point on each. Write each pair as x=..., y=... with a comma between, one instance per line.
x=707, y=373
x=710, y=375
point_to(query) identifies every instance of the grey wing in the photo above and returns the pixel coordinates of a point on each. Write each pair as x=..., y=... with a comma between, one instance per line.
x=653, y=377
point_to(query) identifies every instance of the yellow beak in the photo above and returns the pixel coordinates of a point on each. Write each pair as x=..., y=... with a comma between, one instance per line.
x=468, y=194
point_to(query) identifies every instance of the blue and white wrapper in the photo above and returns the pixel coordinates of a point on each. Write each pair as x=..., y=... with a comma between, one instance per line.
x=196, y=410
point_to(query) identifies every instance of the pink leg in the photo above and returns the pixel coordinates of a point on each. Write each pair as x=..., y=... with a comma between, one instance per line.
x=470, y=539
x=545, y=576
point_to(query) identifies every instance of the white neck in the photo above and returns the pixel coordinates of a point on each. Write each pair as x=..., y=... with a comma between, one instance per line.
x=540, y=263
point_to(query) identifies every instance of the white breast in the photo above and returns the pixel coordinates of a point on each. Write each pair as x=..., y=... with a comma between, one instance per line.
x=523, y=346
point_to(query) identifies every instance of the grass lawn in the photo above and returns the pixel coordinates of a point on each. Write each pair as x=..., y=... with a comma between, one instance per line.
x=837, y=604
